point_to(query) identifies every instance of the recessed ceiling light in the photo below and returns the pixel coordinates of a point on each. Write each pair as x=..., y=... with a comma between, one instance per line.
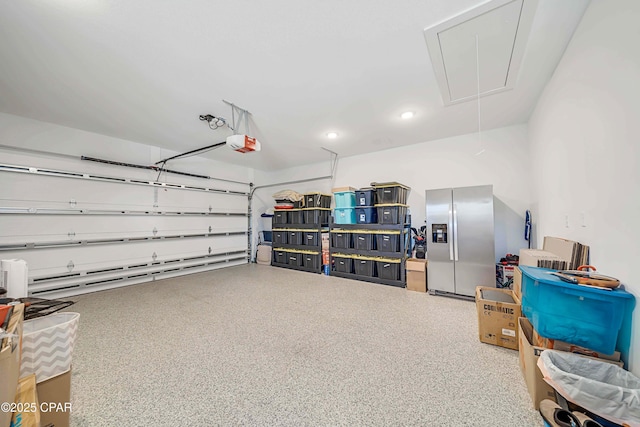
x=407, y=114
x=332, y=135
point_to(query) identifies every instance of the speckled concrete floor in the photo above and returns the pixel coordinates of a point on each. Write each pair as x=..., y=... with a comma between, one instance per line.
x=260, y=345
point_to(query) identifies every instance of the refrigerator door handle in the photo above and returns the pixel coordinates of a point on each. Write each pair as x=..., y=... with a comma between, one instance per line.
x=450, y=233
x=455, y=231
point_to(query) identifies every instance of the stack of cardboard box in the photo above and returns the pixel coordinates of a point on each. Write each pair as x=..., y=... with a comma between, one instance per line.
x=557, y=254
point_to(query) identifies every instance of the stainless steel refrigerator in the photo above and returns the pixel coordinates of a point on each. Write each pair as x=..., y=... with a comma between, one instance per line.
x=460, y=245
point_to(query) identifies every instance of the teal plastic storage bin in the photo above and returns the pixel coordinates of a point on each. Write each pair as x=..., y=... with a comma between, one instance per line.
x=345, y=199
x=585, y=316
x=344, y=215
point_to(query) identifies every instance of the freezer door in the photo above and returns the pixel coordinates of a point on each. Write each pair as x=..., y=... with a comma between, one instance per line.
x=440, y=268
x=474, y=248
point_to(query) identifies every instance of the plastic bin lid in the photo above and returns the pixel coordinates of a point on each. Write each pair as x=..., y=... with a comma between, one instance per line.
x=391, y=204
x=389, y=184
x=297, y=251
x=543, y=275
x=341, y=230
x=316, y=193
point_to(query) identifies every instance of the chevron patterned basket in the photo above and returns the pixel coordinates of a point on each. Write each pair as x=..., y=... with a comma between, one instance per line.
x=47, y=345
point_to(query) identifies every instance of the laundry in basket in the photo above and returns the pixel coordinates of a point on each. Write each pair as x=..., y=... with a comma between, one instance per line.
x=47, y=345
x=602, y=388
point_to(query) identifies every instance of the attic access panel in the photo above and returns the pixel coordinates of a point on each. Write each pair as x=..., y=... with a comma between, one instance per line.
x=502, y=29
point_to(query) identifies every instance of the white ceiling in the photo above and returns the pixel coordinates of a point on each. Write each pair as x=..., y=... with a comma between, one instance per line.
x=145, y=70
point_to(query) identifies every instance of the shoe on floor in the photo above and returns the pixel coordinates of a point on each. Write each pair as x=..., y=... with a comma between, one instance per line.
x=555, y=416
x=585, y=421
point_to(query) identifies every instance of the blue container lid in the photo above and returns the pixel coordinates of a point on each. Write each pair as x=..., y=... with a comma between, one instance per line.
x=544, y=275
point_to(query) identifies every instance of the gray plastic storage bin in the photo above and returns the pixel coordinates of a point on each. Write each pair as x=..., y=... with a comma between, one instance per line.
x=388, y=270
x=295, y=258
x=341, y=240
x=280, y=217
x=280, y=237
x=295, y=237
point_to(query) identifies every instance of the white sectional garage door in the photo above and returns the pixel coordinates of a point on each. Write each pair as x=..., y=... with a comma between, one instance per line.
x=85, y=231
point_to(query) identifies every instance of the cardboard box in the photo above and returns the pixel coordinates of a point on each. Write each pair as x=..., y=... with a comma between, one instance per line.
x=574, y=253
x=416, y=274
x=532, y=256
x=54, y=395
x=326, y=258
x=504, y=276
x=529, y=355
x=563, y=248
x=498, y=313
x=517, y=283
x=540, y=341
x=10, y=363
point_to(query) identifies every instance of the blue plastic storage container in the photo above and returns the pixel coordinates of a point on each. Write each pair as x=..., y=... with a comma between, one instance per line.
x=344, y=215
x=366, y=197
x=367, y=215
x=581, y=315
x=345, y=199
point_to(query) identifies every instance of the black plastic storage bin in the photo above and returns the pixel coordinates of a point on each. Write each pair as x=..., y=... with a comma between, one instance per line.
x=341, y=240
x=363, y=241
x=366, y=197
x=280, y=257
x=310, y=238
x=364, y=267
x=280, y=217
x=388, y=270
x=388, y=242
x=316, y=216
x=295, y=205
x=392, y=193
x=296, y=216
x=280, y=237
x=391, y=213
x=311, y=261
x=343, y=264
x=366, y=215
x=294, y=237
x=317, y=200
x=294, y=258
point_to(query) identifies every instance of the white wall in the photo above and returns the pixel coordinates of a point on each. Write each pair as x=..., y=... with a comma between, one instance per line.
x=31, y=134
x=450, y=162
x=584, y=140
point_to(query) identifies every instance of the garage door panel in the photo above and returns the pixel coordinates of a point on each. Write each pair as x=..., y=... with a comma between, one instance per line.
x=55, y=260
x=32, y=228
x=176, y=200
